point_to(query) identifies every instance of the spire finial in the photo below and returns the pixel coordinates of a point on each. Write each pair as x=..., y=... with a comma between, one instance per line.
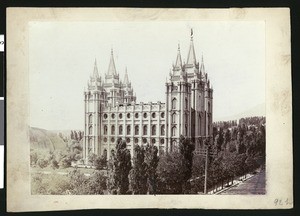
x=192, y=33
x=126, y=79
x=178, y=46
x=95, y=72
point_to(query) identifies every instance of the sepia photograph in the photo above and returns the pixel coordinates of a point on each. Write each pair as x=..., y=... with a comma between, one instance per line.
x=126, y=104
x=147, y=108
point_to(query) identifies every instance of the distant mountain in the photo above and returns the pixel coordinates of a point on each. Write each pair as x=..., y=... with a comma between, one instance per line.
x=44, y=139
x=258, y=110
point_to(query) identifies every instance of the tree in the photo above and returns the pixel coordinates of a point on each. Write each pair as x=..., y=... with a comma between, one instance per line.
x=170, y=172
x=227, y=136
x=220, y=140
x=100, y=162
x=78, y=182
x=92, y=158
x=197, y=180
x=122, y=167
x=33, y=157
x=42, y=163
x=138, y=173
x=97, y=183
x=72, y=135
x=186, y=148
x=65, y=162
x=111, y=172
x=54, y=164
x=75, y=136
x=151, y=160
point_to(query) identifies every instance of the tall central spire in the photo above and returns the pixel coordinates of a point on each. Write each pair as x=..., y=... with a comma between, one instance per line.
x=95, y=73
x=112, y=67
x=191, y=59
x=178, y=59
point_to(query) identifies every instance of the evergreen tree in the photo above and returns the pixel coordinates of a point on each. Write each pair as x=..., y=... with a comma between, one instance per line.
x=186, y=148
x=170, y=172
x=75, y=135
x=227, y=136
x=138, y=177
x=122, y=167
x=151, y=160
x=72, y=135
x=220, y=140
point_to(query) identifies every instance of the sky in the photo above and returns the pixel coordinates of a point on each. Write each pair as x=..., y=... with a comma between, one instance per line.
x=62, y=55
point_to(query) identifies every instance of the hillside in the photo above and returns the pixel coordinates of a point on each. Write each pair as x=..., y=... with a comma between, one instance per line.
x=43, y=139
x=258, y=110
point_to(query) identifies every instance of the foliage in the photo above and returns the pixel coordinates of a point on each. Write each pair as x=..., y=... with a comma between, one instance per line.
x=171, y=175
x=42, y=163
x=151, y=160
x=121, y=166
x=33, y=157
x=97, y=183
x=54, y=164
x=197, y=180
x=49, y=184
x=186, y=149
x=100, y=162
x=138, y=173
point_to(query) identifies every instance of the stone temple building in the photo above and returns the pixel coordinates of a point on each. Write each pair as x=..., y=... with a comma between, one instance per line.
x=111, y=109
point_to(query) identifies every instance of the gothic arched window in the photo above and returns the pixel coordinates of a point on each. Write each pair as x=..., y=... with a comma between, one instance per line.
x=154, y=130
x=174, y=131
x=136, y=130
x=186, y=103
x=113, y=130
x=90, y=119
x=105, y=153
x=120, y=130
x=162, y=130
x=186, y=118
x=199, y=124
x=174, y=118
x=128, y=130
x=90, y=130
x=208, y=107
x=145, y=130
x=186, y=130
x=105, y=130
x=174, y=103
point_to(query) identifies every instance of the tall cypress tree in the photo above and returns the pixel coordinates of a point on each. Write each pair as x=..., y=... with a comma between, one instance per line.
x=151, y=160
x=138, y=174
x=186, y=148
x=122, y=167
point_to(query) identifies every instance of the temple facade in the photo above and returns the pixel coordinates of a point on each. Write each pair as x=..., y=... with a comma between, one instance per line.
x=111, y=109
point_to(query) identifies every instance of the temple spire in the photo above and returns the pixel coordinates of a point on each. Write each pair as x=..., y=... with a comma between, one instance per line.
x=202, y=69
x=178, y=59
x=95, y=73
x=112, y=67
x=191, y=59
x=126, y=80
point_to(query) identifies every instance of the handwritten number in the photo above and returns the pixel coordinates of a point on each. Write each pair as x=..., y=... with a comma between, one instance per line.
x=279, y=202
